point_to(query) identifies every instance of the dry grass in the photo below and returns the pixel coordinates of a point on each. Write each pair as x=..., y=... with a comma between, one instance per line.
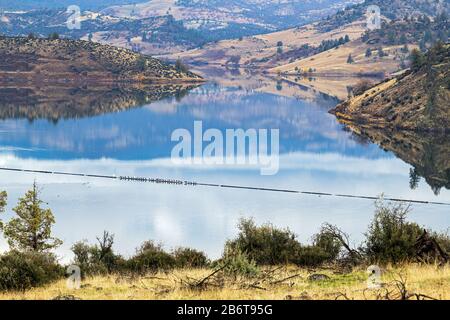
x=282, y=283
x=334, y=61
x=265, y=46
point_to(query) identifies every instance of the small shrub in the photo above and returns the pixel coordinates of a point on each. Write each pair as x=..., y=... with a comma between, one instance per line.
x=266, y=245
x=235, y=263
x=362, y=87
x=310, y=256
x=25, y=270
x=443, y=240
x=329, y=244
x=390, y=238
x=97, y=259
x=151, y=257
x=190, y=258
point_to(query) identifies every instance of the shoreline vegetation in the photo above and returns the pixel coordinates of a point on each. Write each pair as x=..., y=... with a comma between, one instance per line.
x=398, y=260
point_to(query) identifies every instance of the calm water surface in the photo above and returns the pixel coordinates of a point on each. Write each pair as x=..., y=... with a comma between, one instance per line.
x=317, y=154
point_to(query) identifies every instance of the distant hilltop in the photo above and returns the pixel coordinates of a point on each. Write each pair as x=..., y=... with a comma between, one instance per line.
x=39, y=59
x=418, y=99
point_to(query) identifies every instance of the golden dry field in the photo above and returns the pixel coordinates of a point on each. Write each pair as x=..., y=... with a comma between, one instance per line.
x=334, y=61
x=265, y=46
x=411, y=282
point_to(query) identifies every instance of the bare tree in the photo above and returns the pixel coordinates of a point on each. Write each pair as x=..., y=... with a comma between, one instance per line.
x=105, y=243
x=343, y=238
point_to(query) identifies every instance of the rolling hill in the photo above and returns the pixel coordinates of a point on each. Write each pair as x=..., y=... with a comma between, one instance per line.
x=315, y=48
x=263, y=51
x=26, y=59
x=53, y=4
x=416, y=100
x=167, y=26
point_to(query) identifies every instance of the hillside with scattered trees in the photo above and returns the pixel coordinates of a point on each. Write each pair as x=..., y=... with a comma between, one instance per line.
x=416, y=100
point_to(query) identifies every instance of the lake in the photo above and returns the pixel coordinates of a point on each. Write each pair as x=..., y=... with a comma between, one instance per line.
x=129, y=134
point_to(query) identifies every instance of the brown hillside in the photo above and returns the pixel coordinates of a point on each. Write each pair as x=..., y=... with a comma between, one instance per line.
x=76, y=60
x=416, y=100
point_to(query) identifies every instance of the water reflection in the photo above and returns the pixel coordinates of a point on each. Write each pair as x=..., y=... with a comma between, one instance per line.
x=55, y=102
x=317, y=154
x=427, y=152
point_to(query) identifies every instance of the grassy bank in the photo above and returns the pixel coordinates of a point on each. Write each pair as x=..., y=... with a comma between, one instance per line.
x=427, y=281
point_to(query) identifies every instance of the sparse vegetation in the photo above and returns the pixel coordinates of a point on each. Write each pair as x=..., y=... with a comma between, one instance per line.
x=361, y=87
x=414, y=100
x=390, y=239
x=112, y=63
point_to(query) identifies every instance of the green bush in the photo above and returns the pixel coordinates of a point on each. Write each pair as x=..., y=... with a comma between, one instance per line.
x=25, y=270
x=443, y=240
x=97, y=259
x=190, y=258
x=266, y=245
x=151, y=257
x=236, y=263
x=91, y=261
x=390, y=238
x=326, y=243
x=310, y=256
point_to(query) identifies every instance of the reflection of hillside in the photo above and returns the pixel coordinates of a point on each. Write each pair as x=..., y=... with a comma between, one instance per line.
x=298, y=87
x=64, y=102
x=428, y=153
x=339, y=87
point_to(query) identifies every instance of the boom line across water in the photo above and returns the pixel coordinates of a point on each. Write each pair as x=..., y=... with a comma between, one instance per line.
x=215, y=185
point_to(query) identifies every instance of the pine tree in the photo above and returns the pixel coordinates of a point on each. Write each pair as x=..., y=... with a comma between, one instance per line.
x=417, y=59
x=180, y=66
x=54, y=36
x=414, y=179
x=350, y=59
x=368, y=52
x=405, y=49
x=31, y=230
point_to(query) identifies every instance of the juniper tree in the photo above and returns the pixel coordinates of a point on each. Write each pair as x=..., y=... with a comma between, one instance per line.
x=417, y=59
x=31, y=230
x=350, y=59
